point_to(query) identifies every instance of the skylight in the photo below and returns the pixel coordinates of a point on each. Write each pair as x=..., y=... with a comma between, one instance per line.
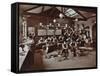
x=71, y=13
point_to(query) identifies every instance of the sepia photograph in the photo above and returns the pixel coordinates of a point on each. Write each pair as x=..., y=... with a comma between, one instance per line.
x=55, y=37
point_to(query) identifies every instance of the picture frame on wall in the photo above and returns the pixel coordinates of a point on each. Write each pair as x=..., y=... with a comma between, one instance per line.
x=52, y=37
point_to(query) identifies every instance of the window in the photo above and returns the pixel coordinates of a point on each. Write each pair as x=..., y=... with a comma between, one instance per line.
x=71, y=13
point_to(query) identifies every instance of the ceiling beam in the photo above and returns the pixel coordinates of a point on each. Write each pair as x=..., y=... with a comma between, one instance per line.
x=28, y=13
x=52, y=12
x=80, y=14
x=92, y=10
x=42, y=9
x=31, y=8
x=91, y=17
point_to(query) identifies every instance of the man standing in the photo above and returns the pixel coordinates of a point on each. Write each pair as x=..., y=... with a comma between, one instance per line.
x=65, y=50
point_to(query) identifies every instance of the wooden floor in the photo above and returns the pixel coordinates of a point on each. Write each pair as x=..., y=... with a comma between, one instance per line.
x=35, y=61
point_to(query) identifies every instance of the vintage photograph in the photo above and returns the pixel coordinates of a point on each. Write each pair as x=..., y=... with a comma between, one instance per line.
x=53, y=37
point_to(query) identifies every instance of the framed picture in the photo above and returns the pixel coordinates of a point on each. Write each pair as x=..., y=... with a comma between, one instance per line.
x=50, y=37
